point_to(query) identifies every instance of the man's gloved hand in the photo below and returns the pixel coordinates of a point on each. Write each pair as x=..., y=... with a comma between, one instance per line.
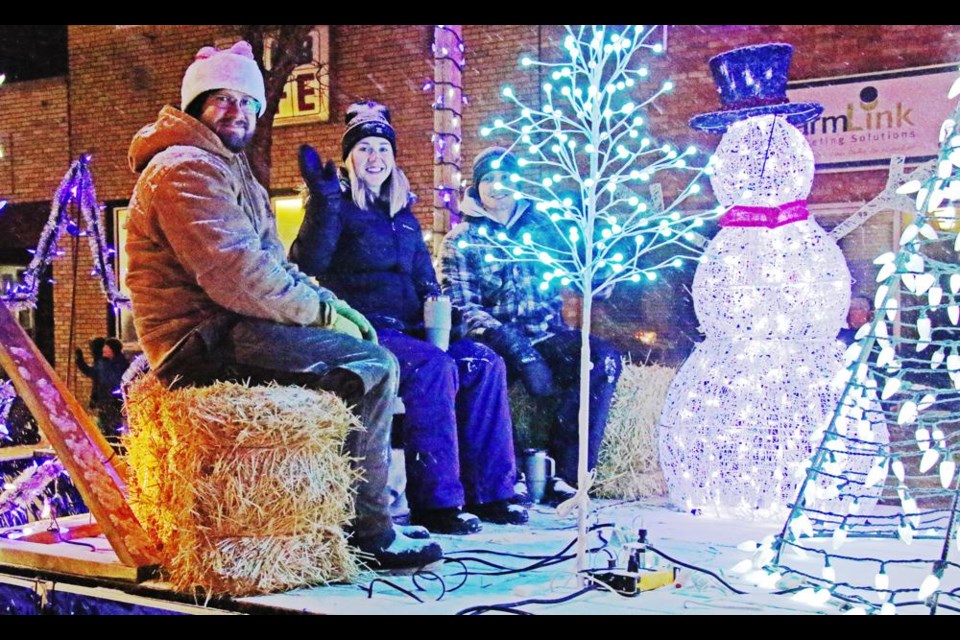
x=79, y=355
x=514, y=347
x=345, y=310
x=320, y=178
x=337, y=314
x=342, y=325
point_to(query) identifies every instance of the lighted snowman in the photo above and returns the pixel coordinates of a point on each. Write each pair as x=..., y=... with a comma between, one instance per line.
x=771, y=293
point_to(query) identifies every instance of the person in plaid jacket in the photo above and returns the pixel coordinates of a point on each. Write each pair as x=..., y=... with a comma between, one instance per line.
x=502, y=305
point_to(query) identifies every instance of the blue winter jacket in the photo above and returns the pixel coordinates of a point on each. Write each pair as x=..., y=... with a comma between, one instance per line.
x=378, y=263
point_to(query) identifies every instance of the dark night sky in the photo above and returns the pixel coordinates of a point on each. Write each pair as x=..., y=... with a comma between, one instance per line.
x=28, y=52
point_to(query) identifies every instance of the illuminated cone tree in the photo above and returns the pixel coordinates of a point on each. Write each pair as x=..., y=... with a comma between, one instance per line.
x=904, y=372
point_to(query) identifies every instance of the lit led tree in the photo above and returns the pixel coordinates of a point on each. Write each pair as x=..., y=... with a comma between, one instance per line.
x=910, y=380
x=589, y=147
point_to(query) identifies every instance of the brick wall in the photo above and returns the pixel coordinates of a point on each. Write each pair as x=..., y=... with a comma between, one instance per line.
x=119, y=79
x=33, y=135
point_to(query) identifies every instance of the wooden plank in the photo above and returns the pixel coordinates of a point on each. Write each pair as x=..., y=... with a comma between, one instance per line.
x=23, y=451
x=34, y=546
x=70, y=559
x=54, y=536
x=98, y=475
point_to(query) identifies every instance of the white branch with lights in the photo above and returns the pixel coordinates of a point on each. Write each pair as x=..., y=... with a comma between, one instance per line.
x=587, y=144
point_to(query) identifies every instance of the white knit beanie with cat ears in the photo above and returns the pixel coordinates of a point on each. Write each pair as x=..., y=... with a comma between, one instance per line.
x=234, y=68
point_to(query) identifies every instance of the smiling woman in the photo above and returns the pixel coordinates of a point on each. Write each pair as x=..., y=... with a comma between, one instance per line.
x=362, y=241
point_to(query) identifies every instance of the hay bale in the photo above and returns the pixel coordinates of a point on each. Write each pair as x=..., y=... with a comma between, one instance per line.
x=246, y=487
x=629, y=464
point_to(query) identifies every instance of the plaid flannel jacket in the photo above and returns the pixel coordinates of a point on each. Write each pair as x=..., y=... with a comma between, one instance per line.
x=489, y=293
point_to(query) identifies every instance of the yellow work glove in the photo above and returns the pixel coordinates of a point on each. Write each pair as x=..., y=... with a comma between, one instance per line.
x=340, y=316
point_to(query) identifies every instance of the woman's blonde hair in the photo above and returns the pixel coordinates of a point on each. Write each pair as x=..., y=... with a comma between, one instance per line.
x=395, y=189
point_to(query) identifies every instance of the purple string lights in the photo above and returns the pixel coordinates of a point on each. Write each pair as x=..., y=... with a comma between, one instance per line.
x=449, y=62
x=75, y=189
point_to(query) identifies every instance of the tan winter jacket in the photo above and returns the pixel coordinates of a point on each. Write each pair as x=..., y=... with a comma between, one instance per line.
x=202, y=238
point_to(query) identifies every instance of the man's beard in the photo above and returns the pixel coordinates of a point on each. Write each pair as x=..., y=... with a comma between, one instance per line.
x=234, y=140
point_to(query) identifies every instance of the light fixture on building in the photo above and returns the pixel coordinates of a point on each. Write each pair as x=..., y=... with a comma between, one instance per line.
x=648, y=338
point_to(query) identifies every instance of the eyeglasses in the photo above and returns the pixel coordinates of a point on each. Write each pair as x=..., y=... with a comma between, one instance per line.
x=245, y=104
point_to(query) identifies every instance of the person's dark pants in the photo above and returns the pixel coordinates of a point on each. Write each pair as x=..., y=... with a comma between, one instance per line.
x=110, y=420
x=562, y=353
x=457, y=430
x=361, y=372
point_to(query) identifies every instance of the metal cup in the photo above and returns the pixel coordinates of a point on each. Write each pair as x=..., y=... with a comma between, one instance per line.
x=538, y=467
x=437, y=321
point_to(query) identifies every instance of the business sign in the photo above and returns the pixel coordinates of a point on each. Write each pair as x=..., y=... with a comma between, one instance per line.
x=870, y=117
x=306, y=94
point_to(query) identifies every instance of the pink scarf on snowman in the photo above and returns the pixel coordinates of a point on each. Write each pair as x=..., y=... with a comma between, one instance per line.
x=770, y=217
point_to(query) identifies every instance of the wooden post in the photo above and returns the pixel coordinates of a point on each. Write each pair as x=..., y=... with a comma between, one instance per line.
x=447, y=125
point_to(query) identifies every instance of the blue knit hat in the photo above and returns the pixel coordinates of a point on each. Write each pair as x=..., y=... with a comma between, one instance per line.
x=366, y=119
x=484, y=163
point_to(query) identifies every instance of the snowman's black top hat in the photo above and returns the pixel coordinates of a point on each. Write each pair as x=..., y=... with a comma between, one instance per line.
x=752, y=81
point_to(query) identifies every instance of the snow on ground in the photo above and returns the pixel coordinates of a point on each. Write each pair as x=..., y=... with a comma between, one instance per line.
x=698, y=540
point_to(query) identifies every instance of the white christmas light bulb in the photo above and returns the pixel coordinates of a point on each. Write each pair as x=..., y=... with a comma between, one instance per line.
x=882, y=580
x=928, y=586
x=886, y=271
x=937, y=359
x=881, y=296
x=923, y=330
x=930, y=458
x=947, y=469
x=905, y=532
x=839, y=537
x=742, y=567
x=891, y=308
x=898, y=469
x=801, y=525
x=887, y=355
x=908, y=413
x=923, y=282
x=829, y=573
x=953, y=361
x=891, y=387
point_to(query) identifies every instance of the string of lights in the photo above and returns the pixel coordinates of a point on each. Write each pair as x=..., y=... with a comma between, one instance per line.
x=449, y=100
x=76, y=188
x=18, y=498
x=7, y=395
x=909, y=379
